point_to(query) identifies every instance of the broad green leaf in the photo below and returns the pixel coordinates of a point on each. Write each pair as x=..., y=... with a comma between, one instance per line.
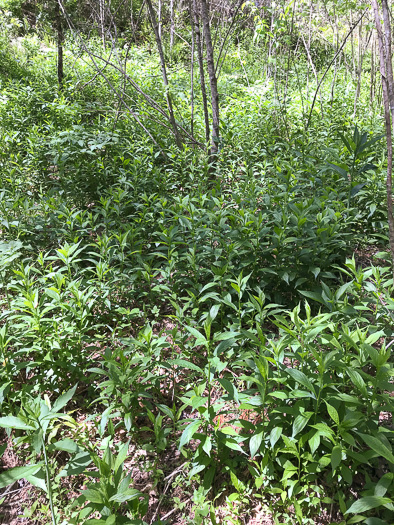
x=237, y=483
x=14, y=474
x=314, y=442
x=189, y=432
x=356, y=519
x=224, y=345
x=122, y=455
x=345, y=141
x=207, y=446
x=93, y=495
x=374, y=521
x=369, y=143
x=279, y=395
x=255, y=443
x=377, y=446
x=301, y=378
x=373, y=338
x=229, y=431
x=367, y=503
x=185, y=364
x=339, y=169
x=231, y=443
x=200, y=339
x=333, y=413
x=14, y=422
x=383, y=484
x=62, y=401
x=342, y=290
x=262, y=366
x=67, y=445
x=313, y=295
x=76, y=465
x=299, y=424
x=336, y=457
x=230, y=388
x=129, y=495
x=357, y=188
x=357, y=381
x=275, y=435
x=226, y=335
x=198, y=401
x=213, y=312
x=38, y=479
x=166, y=410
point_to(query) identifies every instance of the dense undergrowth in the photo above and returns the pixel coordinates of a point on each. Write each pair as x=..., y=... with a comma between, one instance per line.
x=147, y=309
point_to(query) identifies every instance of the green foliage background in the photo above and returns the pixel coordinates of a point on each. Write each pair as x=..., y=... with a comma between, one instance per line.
x=148, y=309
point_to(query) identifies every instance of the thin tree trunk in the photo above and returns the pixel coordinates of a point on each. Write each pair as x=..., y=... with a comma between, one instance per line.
x=191, y=72
x=289, y=51
x=390, y=79
x=241, y=62
x=159, y=18
x=268, y=70
x=226, y=36
x=352, y=47
x=60, y=40
x=314, y=73
x=329, y=66
x=102, y=21
x=372, y=82
x=309, y=45
x=360, y=67
x=386, y=72
x=201, y=67
x=212, y=76
x=155, y=26
x=172, y=14
x=336, y=36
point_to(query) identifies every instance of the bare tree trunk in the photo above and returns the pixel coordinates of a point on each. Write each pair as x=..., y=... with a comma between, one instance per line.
x=102, y=21
x=212, y=76
x=372, y=82
x=241, y=62
x=309, y=45
x=155, y=26
x=133, y=23
x=60, y=40
x=201, y=67
x=223, y=47
x=352, y=46
x=289, y=51
x=336, y=37
x=360, y=67
x=172, y=14
x=191, y=71
x=123, y=95
x=159, y=18
x=386, y=72
x=390, y=79
x=314, y=73
x=268, y=70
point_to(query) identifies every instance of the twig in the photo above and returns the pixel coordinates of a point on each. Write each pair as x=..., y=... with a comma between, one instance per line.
x=178, y=469
x=169, y=477
x=329, y=66
x=174, y=510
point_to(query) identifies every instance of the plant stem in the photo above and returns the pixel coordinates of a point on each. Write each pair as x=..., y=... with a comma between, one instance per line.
x=48, y=474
